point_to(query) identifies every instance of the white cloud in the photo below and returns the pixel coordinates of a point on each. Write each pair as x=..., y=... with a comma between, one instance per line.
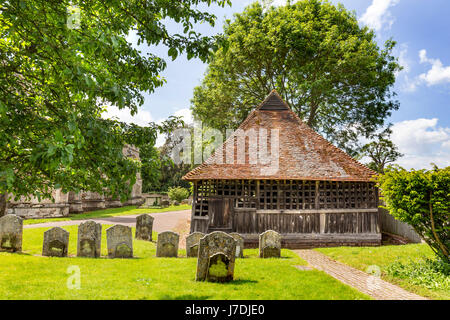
x=438, y=74
x=422, y=142
x=279, y=2
x=409, y=85
x=377, y=15
x=142, y=118
x=402, y=58
x=186, y=115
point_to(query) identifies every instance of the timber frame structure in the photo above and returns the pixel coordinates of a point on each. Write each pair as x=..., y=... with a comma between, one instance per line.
x=319, y=196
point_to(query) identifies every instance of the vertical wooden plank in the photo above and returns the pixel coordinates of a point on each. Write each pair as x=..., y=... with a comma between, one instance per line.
x=316, y=201
x=322, y=223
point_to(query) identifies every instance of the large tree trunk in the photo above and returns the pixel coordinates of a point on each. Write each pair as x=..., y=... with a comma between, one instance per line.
x=3, y=203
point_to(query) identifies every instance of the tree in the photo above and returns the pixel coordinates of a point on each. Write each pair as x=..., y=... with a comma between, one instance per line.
x=57, y=72
x=328, y=68
x=178, y=193
x=381, y=151
x=150, y=169
x=152, y=161
x=172, y=171
x=421, y=198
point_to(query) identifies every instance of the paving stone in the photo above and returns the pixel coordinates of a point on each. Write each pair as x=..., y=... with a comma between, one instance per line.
x=369, y=284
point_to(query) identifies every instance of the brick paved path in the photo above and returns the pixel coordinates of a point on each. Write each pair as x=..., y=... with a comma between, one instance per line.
x=368, y=284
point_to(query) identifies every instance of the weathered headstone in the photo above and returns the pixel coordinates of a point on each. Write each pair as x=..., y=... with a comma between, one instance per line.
x=192, y=241
x=216, y=257
x=165, y=203
x=239, y=244
x=56, y=242
x=89, y=239
x=11, y=228
x=119, y=241
x=167, y=245
x=269, y=244
x=144, y=227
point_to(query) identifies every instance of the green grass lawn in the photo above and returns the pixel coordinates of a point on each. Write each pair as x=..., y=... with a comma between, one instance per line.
x=384, y=256
x=106, y=213
x=31, y=276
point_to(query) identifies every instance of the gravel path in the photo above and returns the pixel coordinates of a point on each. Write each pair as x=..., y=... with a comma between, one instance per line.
x=361, y=281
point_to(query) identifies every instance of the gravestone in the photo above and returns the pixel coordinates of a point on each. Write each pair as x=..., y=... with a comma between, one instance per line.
x=269, y=244
x=56, y=242
x=192, y=241
x=11, y=229
x=89, y=239
x=239, y=244
x=165, y=203
x=216, y=257
x=144, y=227
x=167, y=245
x=119, y=241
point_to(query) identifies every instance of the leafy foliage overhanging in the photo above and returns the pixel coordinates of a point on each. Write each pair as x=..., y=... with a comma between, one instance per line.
x=56, y=79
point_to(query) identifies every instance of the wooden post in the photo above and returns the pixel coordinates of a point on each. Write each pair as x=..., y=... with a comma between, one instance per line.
x=322, y=222
x=257, y=195
x=316, y=202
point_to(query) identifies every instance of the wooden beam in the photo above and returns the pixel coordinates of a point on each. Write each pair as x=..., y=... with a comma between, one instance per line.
x=320, y=211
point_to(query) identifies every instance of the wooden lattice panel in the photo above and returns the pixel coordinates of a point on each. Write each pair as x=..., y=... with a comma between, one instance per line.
x=286, y=194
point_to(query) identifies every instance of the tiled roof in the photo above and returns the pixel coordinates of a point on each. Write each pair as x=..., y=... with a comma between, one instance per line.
x=303, y=153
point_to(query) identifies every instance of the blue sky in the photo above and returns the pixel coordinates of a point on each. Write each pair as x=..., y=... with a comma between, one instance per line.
x=422, y=31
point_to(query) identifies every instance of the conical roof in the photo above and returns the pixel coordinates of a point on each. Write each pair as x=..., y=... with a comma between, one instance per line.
x=299, y=153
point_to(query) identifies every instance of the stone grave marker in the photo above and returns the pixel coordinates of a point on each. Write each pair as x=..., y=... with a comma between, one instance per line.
x=239, y=244
x=56, y=242
x=269, y=244
x=119, y=241
x=216, y=257
x=144, y=227
x=167, y=245
x=11, y=229
x=192, y=241
x=89, y=239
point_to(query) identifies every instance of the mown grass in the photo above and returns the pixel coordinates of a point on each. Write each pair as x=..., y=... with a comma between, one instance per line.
x=106, y=213
x=31, y=276
x=384, y=257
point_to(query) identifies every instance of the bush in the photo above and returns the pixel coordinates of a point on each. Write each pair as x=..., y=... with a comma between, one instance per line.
x=421, y=198
x=178, y=194
x=432, y=274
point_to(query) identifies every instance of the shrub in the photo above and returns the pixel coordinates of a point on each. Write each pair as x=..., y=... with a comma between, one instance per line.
x=421, y=198
x=178, y=194
x=432, y=274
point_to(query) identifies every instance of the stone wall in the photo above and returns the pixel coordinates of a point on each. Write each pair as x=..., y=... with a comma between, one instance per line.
x=65, y=203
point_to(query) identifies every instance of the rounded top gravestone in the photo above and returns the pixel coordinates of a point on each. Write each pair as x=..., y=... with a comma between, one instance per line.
x=167, y=245
x=119, y=241
x=269, y=244
x=192, y=241
x=216, y=257
x=144, y=227
x=89, y=239
x=11, y=229
x=239, y=244
x=56, y=242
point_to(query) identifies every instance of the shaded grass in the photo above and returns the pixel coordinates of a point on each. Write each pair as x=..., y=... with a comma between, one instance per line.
x=363, y=257
x=106, y=213
x=30, y=276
